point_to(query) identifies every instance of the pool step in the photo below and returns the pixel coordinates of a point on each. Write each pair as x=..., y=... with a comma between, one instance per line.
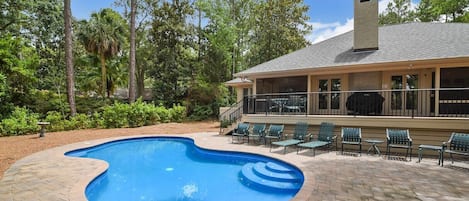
x=262, y=171
x=271, y=177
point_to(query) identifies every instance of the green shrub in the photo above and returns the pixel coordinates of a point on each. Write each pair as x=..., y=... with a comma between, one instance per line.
x=56, y=120
x=178, y=113
x=115, y=116
x=97, y=120
x=137, y=114
x=20, y=122
x=152, y=116
x=225, y=123
x=163, y=113
x=45, y=101
x=89, y=105
x=79, y=121
x=201, y=112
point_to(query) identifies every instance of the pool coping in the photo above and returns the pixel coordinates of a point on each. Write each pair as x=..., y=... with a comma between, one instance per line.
x=44, y=168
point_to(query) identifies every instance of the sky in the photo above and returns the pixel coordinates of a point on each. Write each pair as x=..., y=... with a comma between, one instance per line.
x=328, y=17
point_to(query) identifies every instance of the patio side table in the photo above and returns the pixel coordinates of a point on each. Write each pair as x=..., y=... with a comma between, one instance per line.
x=434, y=148
x=373, y=147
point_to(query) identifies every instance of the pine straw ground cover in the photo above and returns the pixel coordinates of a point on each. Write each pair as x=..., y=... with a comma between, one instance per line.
x=14, y=148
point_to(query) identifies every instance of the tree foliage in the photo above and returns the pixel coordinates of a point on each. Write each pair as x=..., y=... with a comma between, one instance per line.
x=171, y=35
x=397, y=12
x=279, y=27
x=104, y=36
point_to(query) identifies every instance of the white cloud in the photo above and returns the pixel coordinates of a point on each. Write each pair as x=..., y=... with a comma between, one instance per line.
x=323, y=31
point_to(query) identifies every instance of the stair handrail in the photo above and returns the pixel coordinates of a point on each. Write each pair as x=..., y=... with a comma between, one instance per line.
x=234, y=113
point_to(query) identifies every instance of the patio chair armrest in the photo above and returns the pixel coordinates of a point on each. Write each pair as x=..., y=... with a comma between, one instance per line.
x=310, y=136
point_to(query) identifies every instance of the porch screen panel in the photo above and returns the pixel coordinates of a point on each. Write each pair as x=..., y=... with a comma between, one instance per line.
x=282, y=85
x=454, y=102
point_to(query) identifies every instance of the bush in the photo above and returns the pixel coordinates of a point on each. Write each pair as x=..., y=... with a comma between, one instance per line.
x=115, y=116
x=137, y=114
x=201, y=112
x=163, y=113
x=97, y=120
x=44, y=101
x=79, y=121
x=20, y=122
x=56, y=120
x=177, y=113
x=152, y=115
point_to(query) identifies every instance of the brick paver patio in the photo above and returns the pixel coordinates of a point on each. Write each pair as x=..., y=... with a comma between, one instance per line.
x=49, y=175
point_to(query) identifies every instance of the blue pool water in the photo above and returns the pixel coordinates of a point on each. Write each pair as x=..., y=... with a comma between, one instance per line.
x=173, y=168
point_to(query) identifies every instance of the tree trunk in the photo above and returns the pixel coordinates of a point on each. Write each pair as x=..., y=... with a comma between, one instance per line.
x=133, y=7
x=69, y=57
x=103, y=75
x=140, y=79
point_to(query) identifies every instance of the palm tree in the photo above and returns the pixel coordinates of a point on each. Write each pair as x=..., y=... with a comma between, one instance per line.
x=69, y=57
x=104, y=35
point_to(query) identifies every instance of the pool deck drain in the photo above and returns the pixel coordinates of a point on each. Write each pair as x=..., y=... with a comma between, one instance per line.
x=49, y=175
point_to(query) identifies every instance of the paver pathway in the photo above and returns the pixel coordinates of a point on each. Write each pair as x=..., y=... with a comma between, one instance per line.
x=49, y=175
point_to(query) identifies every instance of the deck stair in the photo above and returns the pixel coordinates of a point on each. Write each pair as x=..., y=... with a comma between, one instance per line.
x=230, y=118
x=271, y=176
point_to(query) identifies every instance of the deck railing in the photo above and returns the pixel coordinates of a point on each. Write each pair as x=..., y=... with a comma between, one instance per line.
x=448, y=102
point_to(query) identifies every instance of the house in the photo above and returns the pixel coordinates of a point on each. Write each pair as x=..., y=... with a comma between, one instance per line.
x=413, y=75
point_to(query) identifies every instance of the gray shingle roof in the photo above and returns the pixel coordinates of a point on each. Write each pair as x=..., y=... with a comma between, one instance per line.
x=404, y=42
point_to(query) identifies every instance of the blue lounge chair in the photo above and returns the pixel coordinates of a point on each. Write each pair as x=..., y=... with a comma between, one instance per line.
x=241, y=131
x=258, y=132
x=325, y=138
x=300, y=133
x=275, y=132
x=351, y=136
x=398, y=138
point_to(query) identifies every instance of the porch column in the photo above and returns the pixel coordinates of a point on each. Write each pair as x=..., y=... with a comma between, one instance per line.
x=308, y=96
x=437, y=91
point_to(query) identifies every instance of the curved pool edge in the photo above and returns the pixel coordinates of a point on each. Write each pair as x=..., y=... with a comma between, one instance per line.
x=83, y=171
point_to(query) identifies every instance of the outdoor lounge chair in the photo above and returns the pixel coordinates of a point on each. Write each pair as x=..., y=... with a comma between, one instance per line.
x=325, y=138
x=351, y=136
x=275, y=132
x=240, y=132
x=258, y=131
x=399, y=138
x=301, y=130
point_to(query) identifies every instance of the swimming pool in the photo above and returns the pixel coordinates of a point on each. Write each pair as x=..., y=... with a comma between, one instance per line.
x=174, y=168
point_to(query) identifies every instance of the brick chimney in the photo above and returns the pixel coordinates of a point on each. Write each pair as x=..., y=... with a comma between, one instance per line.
x=365, y=34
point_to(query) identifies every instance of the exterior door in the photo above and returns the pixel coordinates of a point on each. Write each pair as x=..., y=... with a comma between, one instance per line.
x=404, y=102
x=329, y=96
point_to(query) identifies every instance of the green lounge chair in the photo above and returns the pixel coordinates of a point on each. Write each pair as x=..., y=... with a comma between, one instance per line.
x=240, y=132
x=258, y=131
x=398, y=138
x=275, y=132
x=301, y=130
x=325, y=138
x=351, y=136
